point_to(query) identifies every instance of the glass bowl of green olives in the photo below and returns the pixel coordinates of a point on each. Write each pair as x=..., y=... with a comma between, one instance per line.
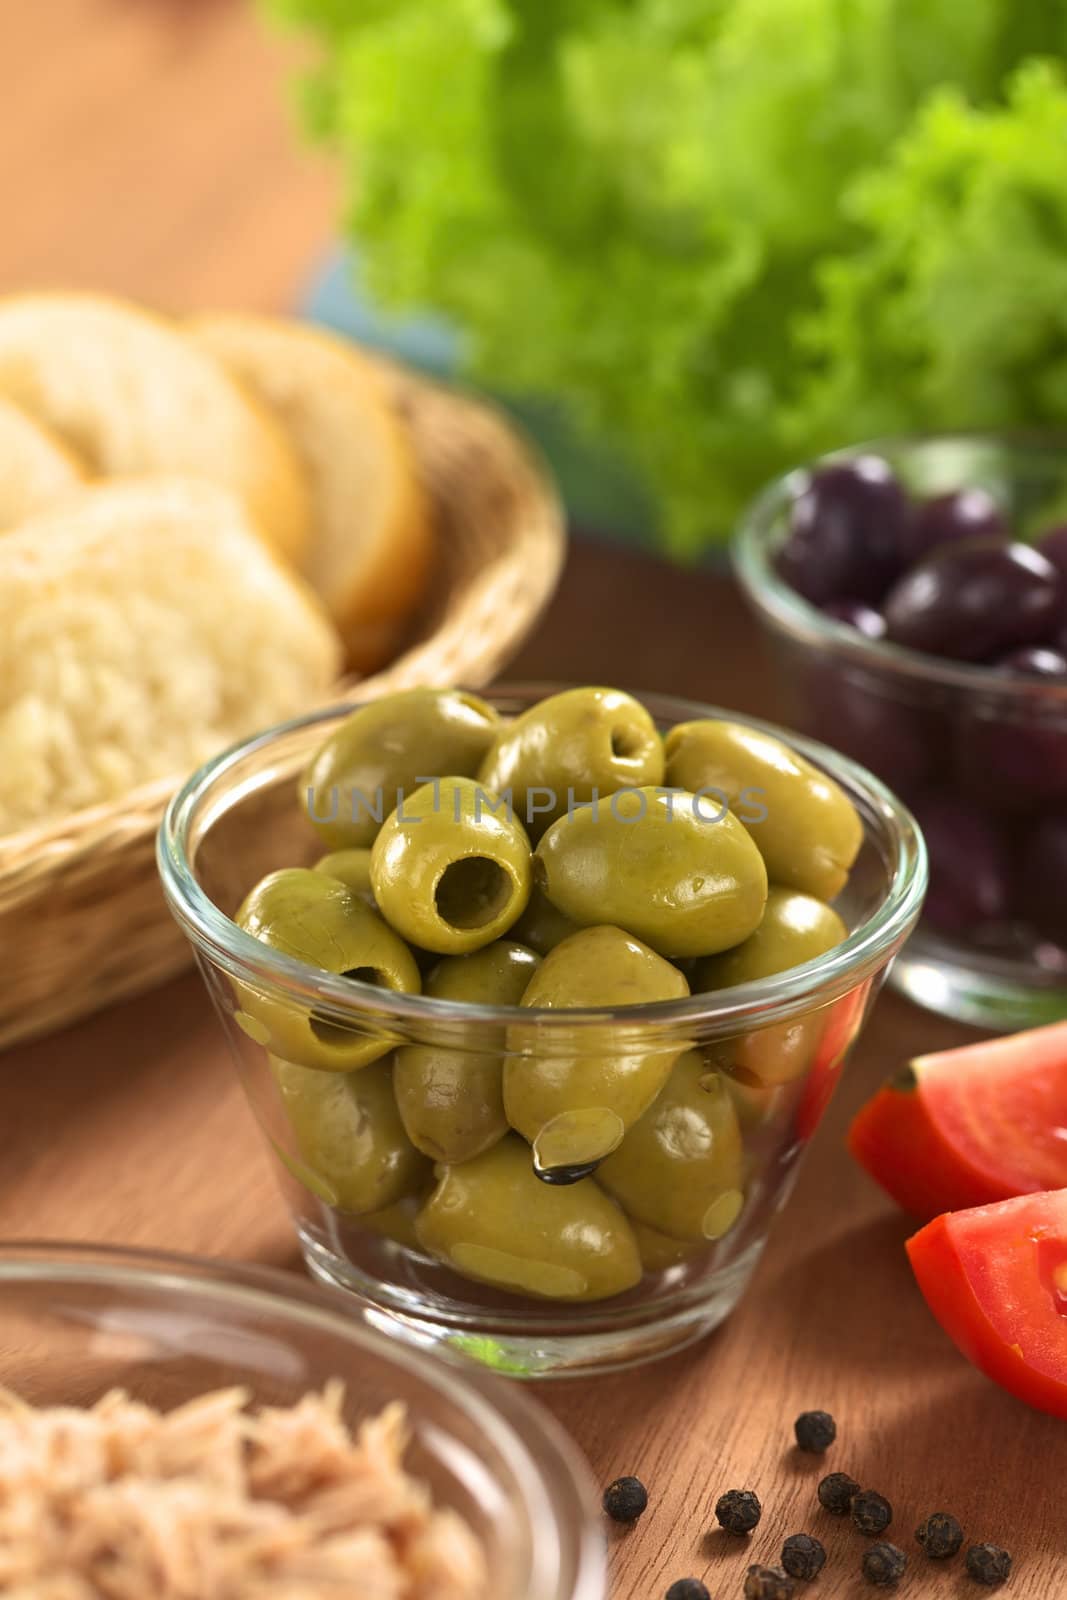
x=539, y=997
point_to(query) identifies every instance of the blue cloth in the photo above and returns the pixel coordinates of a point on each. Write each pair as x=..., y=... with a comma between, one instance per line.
x=599, y=489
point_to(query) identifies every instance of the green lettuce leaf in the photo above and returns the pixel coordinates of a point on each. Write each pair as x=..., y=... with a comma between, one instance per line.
x=725, y=233
x=951, y=308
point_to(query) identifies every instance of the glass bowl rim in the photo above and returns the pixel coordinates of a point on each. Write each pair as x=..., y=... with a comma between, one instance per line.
x=526, y=1435
x=808, y=625
x=763, y=1001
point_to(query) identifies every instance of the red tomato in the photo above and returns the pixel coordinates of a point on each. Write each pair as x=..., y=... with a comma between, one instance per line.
x=970, y=1126
x=840, y=1030
x=996, y=1280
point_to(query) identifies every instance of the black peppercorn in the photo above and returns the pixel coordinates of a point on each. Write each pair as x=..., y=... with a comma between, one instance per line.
x=837, y=1492
x=988, y=1564
x=871, y=1512
x=625, y=1499
x=940, y=1536
x=884, y=1564
x=803, y=1556
x=738, y=1511
x=815, y=1431
x=768, y=1583
x=687, y=1589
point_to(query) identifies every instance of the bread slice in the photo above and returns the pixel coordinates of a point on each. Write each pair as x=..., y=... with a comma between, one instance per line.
x=125, y=390
x=372, y=543
x=35, y=467
x=143, y=626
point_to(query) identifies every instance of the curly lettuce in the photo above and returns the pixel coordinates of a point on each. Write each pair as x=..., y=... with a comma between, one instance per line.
x=724, y=232
x=951, y=306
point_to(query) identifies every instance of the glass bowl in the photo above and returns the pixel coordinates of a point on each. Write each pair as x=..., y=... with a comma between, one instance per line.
x=78, y=1321
x=979, y=755
x=772, y=1051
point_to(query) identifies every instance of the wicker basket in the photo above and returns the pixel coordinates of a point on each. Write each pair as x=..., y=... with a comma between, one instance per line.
x=82, y=917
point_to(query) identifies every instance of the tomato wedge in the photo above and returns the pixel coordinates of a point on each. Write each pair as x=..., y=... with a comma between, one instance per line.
x=996, y=1280
x=970, y=1126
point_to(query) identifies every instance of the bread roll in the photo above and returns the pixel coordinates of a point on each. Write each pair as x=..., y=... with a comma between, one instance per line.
x=35, y=467
x=143, y=627
x=127, y=392
x=371, y=544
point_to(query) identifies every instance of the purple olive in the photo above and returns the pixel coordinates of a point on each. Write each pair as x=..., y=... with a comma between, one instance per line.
x=969, y=865
x=862, y=617
x=861, y=715
x=1011, y=753
x=1053, y=545
x=950, y=518
x=1035, y=662
x=1043, y=879
x=972, y=602
x=846, y=532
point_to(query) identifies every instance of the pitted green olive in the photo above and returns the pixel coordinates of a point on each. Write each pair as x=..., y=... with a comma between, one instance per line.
x=795, y=928
x=777, y=1054
x=450, y=869
x=684, y=879
x=569, y=747
x=805, y=826
x=575, y=1099
x=659, y=1251
x=311, y=1180
x=348, y=1131
x=680, y=1168
x=451, y=1099
x=315, y=919
x=497, y=975
x=494, y=1221
x=387, y=748
x=396, y=1223
x=756, y=1104
x=350, y=867
x=541, y=926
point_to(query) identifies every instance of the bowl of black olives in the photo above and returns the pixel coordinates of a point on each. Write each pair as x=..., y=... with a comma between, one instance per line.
x=915, y=591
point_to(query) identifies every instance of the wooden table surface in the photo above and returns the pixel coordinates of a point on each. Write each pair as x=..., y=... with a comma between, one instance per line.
x=147, y=151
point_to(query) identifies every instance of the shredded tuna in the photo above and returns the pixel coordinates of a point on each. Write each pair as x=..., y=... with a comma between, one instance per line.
x=213, y=1501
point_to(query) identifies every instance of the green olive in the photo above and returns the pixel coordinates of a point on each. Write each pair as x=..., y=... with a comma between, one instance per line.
x=395, y=1223
x=497, y=975
x=756, y=1104
x=350, y=867
x=541, y=926
x=685, y=881
x=795, y=928
x=575, y=1104
x=777, y=1054
x=348, y=1131
x=807, y=829
x=569, y=747
x=385, y=749
x=450, y=872
x=680, y=1168
x=452, y=1099
x=315, y=919
x=659, y=1251
x=304, y=1175
x=494, y=1221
